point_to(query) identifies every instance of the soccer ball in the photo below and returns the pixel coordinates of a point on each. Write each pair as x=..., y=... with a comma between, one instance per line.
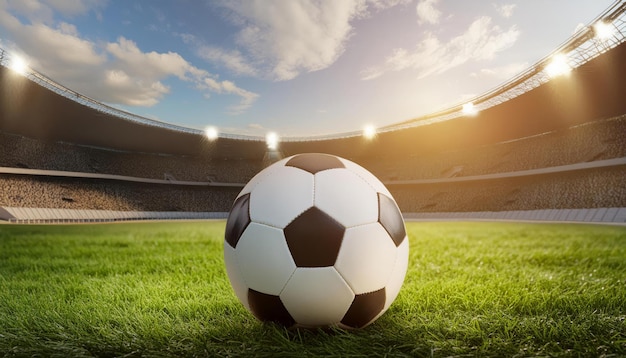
x=315, y=240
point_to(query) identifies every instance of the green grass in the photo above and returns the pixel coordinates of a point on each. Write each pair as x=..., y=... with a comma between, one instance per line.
x=160, y=289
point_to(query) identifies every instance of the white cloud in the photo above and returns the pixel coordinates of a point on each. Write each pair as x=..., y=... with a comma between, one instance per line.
x=427, y=13
x=233, y=60
x=148, y=69
x=481, y=41
x=228, y=87
x=121, y=88
x=114, y=72
x=505, y=10
x=280, y=40
x=43, y=10
x=385, y=4
x=283, y=39
x=31, y=9
x=58, y=47
x=75, y=7
x=148, y=64
x=247, y=97
x=68, y=29
x=189, y=39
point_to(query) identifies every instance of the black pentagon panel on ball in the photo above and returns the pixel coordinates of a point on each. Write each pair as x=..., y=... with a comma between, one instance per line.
x=314, y=162
x=314, y=238
x=364, y=308
x=390, y=217
x=269, y=308
x=238, y=220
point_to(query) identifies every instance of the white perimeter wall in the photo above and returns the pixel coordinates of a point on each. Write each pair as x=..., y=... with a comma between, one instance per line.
x=45, y=215
x=596, y=215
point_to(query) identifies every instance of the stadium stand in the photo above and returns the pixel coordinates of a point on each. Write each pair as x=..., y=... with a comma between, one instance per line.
x=582, y=143
x=593, y=188
x=24, y=152
x=587, y=142
x=98, y=194
x=554, y=152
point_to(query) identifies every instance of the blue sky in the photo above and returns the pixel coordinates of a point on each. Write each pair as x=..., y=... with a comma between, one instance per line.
x=294, y=67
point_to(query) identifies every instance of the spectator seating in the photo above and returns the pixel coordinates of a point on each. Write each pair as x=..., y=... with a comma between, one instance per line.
x=583, y=189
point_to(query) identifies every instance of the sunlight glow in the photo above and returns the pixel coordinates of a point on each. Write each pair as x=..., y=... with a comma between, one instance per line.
x=603, y=30
x=369, y=131
x=469, y=109
x=18, y=64
x=271, y=139
x=211, y=133
x=558, y=66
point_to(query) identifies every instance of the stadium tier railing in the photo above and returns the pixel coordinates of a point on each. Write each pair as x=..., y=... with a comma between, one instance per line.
x=516, y=174
x=81, y=175
x=521, y=173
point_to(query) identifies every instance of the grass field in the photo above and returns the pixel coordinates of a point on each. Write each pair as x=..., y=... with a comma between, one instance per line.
x=160, y=289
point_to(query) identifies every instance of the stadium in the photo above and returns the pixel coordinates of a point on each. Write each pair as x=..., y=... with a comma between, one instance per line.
x=574, y=125
x=542, y=147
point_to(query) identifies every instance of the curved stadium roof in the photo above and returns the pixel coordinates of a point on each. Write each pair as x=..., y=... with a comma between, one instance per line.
x=63, y=114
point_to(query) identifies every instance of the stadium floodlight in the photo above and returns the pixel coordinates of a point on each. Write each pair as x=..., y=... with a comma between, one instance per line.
x=271, y=139
x=211, y=133
x=369, y=131
x=469, y=109
x=18, y=64
x=603, y=30
x=558, y=66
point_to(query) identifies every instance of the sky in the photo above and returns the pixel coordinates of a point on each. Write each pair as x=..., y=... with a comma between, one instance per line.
x=294, y=67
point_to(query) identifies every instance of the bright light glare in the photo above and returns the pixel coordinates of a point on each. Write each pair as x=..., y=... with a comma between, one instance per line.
x=469, y=109
x=558, y=66
x=18, y=64
x=271, y=139
x=603, y=30
x=211, y=133
x=369, y=132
